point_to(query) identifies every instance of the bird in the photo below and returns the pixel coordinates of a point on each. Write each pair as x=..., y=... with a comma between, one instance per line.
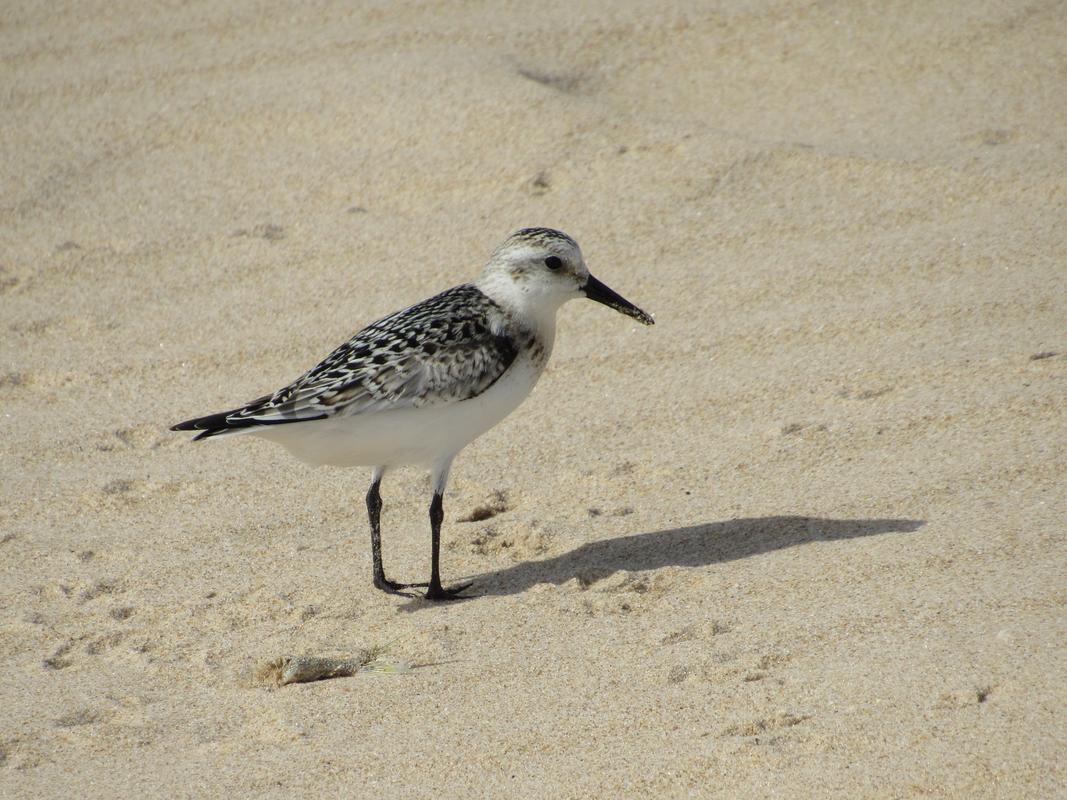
x=417, y=386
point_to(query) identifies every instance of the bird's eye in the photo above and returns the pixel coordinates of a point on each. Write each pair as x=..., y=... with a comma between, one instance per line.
x=553, y=262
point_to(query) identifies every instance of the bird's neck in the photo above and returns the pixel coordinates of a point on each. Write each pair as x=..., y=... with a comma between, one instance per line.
x=532, y=311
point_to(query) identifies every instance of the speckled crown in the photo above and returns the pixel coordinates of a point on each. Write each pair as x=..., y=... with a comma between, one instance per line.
x=542, y=236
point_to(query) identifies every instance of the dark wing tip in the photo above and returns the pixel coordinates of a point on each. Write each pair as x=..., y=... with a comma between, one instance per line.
x=220, y=422
x=209, y=422
x=225, y=421
x=213, y=424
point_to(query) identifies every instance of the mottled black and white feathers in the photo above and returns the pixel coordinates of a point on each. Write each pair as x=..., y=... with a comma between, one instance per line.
x=544, y=237
x=448, y=348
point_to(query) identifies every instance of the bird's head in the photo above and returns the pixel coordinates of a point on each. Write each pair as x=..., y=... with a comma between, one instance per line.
x=542, y=268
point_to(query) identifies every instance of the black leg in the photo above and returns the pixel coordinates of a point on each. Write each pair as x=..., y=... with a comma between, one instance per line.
x=374, y=512
x=434, y=590
x=437, y=515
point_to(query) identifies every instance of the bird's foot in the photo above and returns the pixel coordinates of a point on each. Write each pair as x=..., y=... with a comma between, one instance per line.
x=392, y=587
x=438, y=593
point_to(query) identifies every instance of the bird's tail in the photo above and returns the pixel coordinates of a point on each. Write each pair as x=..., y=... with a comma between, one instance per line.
x=221, y=424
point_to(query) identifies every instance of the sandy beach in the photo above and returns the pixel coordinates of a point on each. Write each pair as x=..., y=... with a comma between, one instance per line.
x=804, y=537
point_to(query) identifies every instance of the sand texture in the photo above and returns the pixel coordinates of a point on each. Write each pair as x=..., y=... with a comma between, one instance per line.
x=803, y=538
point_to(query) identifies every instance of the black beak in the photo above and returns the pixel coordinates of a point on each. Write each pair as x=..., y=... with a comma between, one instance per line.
x=595, y=290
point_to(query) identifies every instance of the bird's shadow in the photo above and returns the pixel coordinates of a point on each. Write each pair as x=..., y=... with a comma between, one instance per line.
x=692, y=546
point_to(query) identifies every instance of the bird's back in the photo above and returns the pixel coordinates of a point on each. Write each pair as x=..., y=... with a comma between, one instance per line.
x=447, y=349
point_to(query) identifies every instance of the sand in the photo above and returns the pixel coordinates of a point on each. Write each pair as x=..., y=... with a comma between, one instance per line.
x=804, y=537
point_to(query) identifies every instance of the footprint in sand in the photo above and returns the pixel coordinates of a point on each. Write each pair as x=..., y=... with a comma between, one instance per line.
x=765, y=725
x=964, y=698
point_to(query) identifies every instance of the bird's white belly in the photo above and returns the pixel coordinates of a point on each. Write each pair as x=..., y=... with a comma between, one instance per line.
x=422, y=436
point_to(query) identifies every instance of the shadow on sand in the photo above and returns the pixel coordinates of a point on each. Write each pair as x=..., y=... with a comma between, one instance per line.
x=694, y=546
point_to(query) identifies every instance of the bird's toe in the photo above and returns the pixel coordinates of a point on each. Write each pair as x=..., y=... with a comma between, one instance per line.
x=439, y=593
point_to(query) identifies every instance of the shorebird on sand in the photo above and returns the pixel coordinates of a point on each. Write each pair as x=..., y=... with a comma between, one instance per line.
x=418, y=386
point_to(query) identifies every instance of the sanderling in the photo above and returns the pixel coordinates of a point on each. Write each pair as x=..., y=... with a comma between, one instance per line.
x=418, y=386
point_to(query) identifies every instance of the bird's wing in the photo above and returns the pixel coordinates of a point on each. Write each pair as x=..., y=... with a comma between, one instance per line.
x=451, y=347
